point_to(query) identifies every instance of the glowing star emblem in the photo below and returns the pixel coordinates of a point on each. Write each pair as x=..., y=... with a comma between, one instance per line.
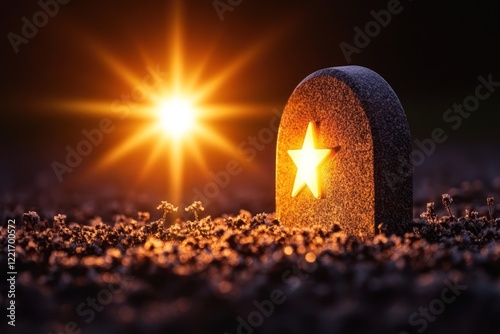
x=307, y=161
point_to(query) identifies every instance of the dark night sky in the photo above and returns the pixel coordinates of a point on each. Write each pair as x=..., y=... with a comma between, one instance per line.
x=431, y=53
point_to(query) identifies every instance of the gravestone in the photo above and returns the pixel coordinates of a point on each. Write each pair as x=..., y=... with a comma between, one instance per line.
x=343, y=154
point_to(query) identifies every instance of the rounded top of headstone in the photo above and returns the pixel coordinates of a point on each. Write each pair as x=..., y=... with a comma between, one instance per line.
x=363, y=81
x=379, y=100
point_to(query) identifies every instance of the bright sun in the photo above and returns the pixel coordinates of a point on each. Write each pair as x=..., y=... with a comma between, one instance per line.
x=177, y=116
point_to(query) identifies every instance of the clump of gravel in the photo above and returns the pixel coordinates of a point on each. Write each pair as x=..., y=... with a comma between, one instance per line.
x=250, y=274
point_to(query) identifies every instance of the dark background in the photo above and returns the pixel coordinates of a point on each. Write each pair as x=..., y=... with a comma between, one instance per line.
x=431, y=54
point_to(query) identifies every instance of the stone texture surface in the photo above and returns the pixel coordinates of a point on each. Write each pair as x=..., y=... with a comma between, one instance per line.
x=365, y=182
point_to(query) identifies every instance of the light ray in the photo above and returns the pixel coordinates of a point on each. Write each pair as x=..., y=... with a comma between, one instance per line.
x=234, y=110
x=158, y=148
x=217, y=140
x=176, y=173
x=125, y=147
x=177, y=65
x=119, y=68
x=195, y=152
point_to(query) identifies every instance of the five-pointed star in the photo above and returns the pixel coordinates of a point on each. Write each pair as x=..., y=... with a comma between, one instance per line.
x=307, y=160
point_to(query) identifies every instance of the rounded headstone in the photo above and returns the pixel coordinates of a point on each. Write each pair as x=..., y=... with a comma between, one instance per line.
x=364, y=180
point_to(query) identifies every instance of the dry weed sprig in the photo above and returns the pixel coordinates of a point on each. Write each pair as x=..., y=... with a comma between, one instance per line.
x=447, y=200
x=59, y=221
x=430, y=213
x=490, y=201
x=167, y=208
x=194, y=208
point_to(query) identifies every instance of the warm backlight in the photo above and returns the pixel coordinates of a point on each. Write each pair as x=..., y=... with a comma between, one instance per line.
x=177, y=116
